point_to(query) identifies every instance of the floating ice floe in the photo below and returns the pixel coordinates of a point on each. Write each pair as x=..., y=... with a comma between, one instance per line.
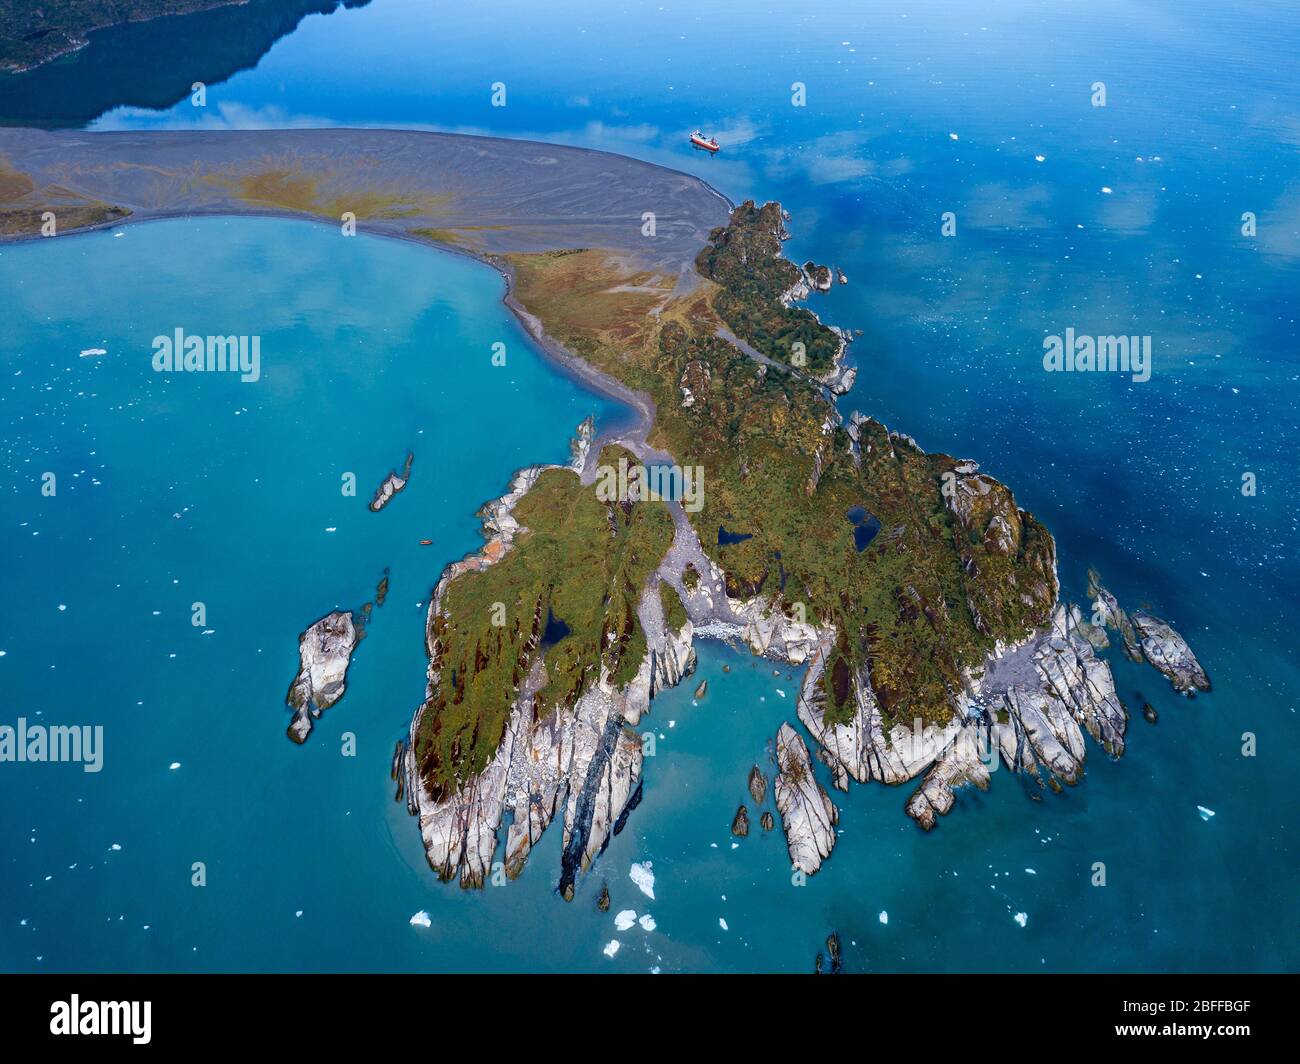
x=647, y=922
x=1040, y=158
x=1030, y=872
x=780, y=692
x=91, y=352
x=332, y=528
x=116, y=846
x=625, y=919
x=1022, y=918
x=298, y=914
x=612, y=947
x=1205, y=813
x=723, y=924
x=642, y=875
x=174, y=765
x=1106, y=190
x=421, y=919
x=952, y=136
x=884, y=917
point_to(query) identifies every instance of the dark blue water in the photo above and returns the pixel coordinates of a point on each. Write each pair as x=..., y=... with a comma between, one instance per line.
x=1123, y=219
x=726, y=539
x=865, y=526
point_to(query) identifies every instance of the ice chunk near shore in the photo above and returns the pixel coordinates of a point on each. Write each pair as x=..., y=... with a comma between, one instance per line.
x=642, y=875
x=625, y=919
x=647, y=922
x=612, y=947
x=421, y=919
x=1205, y=813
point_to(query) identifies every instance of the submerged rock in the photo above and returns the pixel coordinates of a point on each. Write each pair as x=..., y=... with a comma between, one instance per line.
x=1168, y=651
x=395, y=772
x=1149, y=713
x=833, y=951
x=807, y=814
x=324, y=653
x=767, y=820
x=602, y=899
x=740, y=823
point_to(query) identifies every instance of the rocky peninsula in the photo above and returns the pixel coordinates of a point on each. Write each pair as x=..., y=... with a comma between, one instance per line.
x=923, y=600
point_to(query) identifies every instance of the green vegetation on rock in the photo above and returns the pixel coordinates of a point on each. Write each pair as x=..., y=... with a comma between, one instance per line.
x=941, y=581
x=578, y=570
x=744, y=259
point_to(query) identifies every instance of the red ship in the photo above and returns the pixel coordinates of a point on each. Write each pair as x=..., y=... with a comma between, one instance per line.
x=699, y=140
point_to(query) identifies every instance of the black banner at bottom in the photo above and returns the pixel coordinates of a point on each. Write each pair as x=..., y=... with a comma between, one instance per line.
x=391, y=1012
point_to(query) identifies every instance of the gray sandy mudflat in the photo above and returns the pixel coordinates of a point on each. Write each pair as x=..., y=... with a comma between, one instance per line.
x=482, y=196
x=493, y=195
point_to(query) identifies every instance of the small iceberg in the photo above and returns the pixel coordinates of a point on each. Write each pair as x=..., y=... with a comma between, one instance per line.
x=625, y=919
x=174, y=766
x=612, y=947
x=1205, y=813
x=421, y=919
x=883, y=917
x=723, y=924
x=647, y=922
x=642, y=875
x=1022, y=918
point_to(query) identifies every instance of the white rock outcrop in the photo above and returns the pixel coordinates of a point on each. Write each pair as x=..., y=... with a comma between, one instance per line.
x=807, y=814
x=324, y=653
x=1168, y=651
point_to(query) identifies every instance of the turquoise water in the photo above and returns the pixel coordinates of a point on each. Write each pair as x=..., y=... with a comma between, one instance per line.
x=1140, y=479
